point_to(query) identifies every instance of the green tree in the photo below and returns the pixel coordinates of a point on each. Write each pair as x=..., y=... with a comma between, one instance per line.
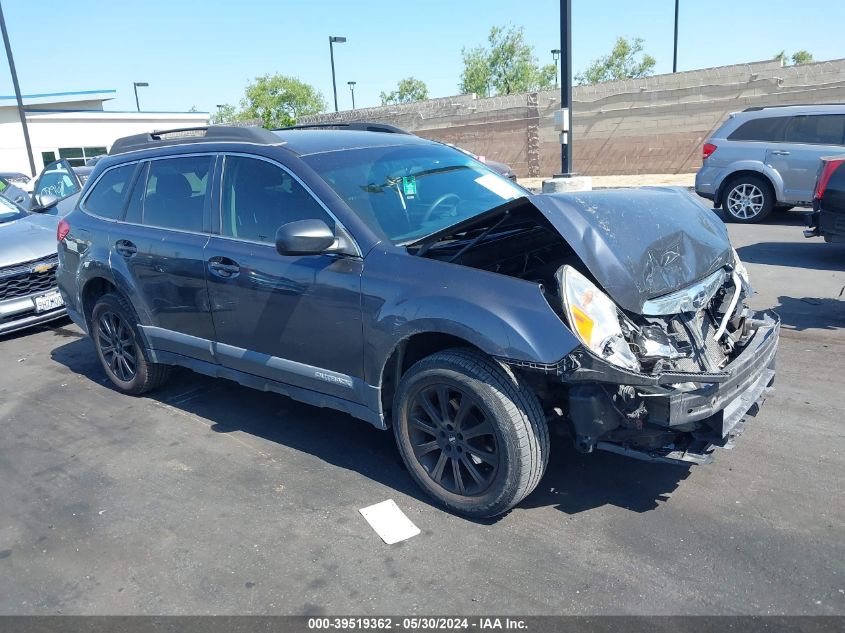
x=279, y=100
x=625, y=61
x=409, y=89
x=505, y=66
x=798, y=57
x=225, y=114
x=802, y=57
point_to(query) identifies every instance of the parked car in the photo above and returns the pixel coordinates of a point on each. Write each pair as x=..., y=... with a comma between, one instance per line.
x=828, y=217
x=12, y=192
x=28, y=259
x=17, y=179
x=766, y=158
x=405, y=283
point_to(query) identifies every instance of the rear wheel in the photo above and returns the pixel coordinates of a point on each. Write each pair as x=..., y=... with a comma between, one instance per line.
x=115, y=334
x=472, y=436
x=748, y=199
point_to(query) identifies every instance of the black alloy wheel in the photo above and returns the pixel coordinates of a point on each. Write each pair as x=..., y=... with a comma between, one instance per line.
x=117, y=346
x=453, y=440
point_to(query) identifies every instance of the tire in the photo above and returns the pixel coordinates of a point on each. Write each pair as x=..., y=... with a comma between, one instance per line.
x=748, y=199
x=114, y=327
x=488, y=451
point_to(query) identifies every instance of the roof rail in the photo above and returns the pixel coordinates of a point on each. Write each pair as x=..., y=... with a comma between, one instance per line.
x=186, y=135
x=792, y=105
x=359, y=126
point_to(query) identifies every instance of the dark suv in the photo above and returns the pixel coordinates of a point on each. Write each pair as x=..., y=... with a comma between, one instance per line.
x=405, y=283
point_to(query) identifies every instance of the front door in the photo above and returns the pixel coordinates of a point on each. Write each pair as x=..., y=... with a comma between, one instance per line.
x=292, y=319
x=808, y=138
x=158, y=253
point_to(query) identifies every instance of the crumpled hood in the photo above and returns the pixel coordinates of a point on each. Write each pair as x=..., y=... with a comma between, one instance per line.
x=29, y=238
x=639, y=243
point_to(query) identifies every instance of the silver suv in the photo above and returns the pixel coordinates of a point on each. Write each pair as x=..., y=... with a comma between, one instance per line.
x=766, y=158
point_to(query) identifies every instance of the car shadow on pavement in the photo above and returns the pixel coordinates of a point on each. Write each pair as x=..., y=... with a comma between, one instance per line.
x=813, y=254
x=573, y=482
x=811, y=313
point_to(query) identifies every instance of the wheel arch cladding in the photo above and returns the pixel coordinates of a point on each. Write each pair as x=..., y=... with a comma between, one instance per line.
x=92, y=290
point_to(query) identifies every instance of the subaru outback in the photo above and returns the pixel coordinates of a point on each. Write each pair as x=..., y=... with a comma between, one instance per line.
x=405, y=283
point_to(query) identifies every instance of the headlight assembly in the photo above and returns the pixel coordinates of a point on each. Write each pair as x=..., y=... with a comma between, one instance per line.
x=594, y=318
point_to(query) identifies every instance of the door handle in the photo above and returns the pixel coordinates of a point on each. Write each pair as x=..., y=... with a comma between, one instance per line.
x=125, y=248
x=780, y=152
x=223, y=267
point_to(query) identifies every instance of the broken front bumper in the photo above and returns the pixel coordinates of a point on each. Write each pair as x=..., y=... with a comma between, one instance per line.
x=661, y=407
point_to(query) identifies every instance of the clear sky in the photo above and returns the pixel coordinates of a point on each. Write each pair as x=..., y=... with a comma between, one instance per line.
x=195, y=53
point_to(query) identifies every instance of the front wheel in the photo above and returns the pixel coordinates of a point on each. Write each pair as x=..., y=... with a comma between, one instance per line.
x=471, y=434
x=748, y=199
x=113, y=328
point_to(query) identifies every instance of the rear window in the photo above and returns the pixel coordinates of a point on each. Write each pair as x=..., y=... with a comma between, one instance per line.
x=817, y=129
x=106, y=198
x=762, y=129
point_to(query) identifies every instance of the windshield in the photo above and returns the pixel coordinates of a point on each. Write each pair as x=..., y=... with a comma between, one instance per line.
x=407, y=192
x=10, y=211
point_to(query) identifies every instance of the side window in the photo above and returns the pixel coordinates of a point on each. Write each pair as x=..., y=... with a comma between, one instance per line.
x=175, y=194
x=259, y=197
x=762, y=129
x=106, y=198
x=817, y=129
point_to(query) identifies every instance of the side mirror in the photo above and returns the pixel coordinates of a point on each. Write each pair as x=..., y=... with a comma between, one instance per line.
x=304, y=237
x=43, y=202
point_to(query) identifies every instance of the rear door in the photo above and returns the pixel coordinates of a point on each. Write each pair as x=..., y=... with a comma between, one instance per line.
x=292, y=319
x=157, y=252
x=807, y=139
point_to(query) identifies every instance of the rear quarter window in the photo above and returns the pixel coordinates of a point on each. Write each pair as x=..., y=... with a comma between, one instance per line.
x=769, y=129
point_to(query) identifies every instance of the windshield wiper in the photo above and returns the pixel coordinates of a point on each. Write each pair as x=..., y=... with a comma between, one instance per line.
x=479, y=237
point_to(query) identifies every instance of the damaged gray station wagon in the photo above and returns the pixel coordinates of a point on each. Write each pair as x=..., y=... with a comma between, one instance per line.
x=405, y=283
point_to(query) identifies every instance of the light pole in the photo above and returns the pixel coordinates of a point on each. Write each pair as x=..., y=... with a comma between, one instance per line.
x=352, y=90
x=334, y=39
x=675, y=55
x=566, y=84
x=17, y=87
x=556, y=57
x=136, y=85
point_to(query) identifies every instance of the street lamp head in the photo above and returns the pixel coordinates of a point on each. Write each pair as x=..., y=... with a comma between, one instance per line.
x=335, y=39
x=141, y=84
x=555, y=54
x=351, y=83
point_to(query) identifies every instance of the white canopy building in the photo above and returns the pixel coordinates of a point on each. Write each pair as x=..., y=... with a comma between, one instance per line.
x=75, y=126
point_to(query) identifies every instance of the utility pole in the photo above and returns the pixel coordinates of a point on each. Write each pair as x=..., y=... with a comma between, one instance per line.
x=566, y=85
x=17, y=87
x=675, y=55
x=334, y=39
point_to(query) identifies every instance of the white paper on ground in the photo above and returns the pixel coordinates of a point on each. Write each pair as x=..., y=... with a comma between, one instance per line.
x=389, y=522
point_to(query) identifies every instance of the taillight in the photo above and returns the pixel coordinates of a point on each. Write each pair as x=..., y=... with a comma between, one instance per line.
x=708, y=149
x=62, y=230
x=828, y=167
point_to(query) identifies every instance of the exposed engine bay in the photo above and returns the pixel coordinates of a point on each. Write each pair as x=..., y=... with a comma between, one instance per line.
x=649, y=382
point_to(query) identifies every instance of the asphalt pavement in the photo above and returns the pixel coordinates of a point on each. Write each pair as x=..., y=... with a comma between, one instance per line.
x=210, y=498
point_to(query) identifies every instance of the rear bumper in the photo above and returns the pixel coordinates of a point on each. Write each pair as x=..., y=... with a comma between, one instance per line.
x=826, y=224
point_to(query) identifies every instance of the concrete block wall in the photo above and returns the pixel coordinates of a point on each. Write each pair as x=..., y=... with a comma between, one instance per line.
x=650, y=125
